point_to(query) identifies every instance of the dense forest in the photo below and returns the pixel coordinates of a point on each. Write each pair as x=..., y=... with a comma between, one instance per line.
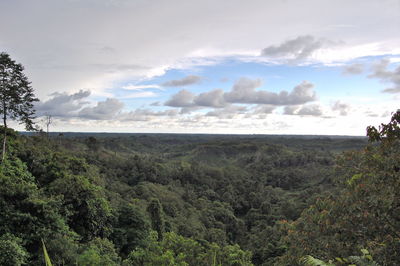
x=199, y=133
x=165, y=199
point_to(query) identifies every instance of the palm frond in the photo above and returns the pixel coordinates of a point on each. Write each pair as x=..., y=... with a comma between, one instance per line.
x=46, y=255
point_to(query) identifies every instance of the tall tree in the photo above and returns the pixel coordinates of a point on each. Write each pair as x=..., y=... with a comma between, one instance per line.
x=16, y=95
x=156, y=216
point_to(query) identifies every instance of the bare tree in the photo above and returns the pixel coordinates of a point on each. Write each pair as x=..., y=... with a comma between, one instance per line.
x=48, y=120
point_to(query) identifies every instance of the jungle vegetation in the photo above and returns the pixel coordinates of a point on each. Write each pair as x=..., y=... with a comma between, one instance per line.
x=169, y=199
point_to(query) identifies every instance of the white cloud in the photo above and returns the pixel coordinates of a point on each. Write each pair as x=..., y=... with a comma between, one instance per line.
x=300, y=48
x=62, y=104
x=140, y=40
x=244, y=92
x=214, y=98
x=70, y=52
x=105, y=110
x=342, y=108
x=312, y=110
x=141, y=87
x=229, y=112
x=141, y=94
x=381, y=71
x=291, y=110
x=353, y=69
x=304, y=110
x=75, y=106
x=146, y=115
x=186, y=81
x=264, y=109
x=183, y=98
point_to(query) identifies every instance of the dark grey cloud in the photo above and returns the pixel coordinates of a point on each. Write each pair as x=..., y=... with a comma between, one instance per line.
x=62, y=104
x=183, y=98
x=186, y=81
x=342, y=108
x=105, y=110
x=353, y=69
x=380, y=71
x=244, y=92
x=299, y=48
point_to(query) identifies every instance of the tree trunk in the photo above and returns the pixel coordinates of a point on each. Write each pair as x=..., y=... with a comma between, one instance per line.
x=5, y=135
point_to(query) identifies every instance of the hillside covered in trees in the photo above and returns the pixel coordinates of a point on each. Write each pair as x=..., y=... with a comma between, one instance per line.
x=154, y=199
x=249, y=133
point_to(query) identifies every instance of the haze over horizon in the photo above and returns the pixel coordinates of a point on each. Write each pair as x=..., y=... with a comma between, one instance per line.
x=259, y=67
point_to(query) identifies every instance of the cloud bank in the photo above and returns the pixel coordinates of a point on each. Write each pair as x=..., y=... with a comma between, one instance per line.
x=244, y=92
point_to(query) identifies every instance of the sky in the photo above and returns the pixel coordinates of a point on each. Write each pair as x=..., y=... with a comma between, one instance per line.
x=314, y=67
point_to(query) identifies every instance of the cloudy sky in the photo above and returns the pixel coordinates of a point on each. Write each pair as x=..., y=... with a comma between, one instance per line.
x=209, y=66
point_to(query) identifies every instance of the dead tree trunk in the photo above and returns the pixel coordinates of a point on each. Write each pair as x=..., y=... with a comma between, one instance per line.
x=5, y=134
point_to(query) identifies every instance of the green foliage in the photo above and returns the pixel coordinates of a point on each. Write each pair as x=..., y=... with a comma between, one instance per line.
x=63, y=249
x=22, y=203
x=99, y=252
x=178, y=250
x=233, y=255
x=16, y=94
x=84, y=204
x=386, y=132
x=208, y=198
x=154, y=254
x=131, y=229
x=156, y=217
x=12, y=253
x=310, y=261
x=364, y=260
x=365, y=212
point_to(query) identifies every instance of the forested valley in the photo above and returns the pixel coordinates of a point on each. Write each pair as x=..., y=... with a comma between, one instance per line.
x=169, y=199
x=199, y=133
